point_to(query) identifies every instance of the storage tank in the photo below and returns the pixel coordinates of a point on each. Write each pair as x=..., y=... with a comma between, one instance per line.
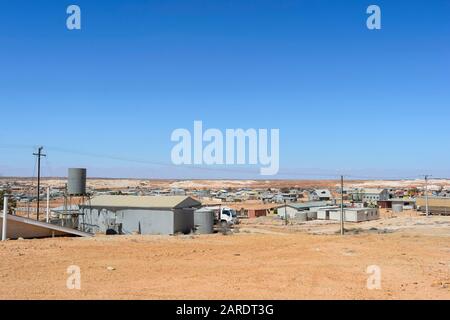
x=397, y=208
x=204, y=220
x=76, y=182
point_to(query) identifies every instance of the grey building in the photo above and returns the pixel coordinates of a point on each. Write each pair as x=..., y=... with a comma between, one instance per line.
x=138, y=214
x=350, y=214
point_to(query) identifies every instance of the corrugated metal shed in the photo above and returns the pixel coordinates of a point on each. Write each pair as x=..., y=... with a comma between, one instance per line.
x=120, y=214
x=160, y=202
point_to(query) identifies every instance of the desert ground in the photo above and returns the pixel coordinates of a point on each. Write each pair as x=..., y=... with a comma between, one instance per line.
x=112, y=184
x=264, y=260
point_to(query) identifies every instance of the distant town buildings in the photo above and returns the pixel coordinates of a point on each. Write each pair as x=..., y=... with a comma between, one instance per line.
x=143, y=208
x=320, y=195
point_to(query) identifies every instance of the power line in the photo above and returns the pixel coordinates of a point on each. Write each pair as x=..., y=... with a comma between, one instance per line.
x=285, y=172
x=426, y=192
x=342, y=205
x=39, y=154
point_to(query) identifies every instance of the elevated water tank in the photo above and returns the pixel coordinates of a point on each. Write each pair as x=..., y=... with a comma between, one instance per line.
x=76, y=182
x=204, y=220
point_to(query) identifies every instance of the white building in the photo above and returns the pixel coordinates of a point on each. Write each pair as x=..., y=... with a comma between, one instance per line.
x=291, y=212
x=320, y=194
x=350, y=214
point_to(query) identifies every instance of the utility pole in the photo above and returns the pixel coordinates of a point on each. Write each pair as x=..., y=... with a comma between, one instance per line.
x=5, y=218
x=342, y=205
x=285, y=213
x=426, y=193
x=47, y=211
x=39, y=154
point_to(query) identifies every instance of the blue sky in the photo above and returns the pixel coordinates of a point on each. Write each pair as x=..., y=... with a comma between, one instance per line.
x=107, y=97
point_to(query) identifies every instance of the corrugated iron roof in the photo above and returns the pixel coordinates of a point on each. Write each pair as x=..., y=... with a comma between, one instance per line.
x=372, y=190
x=254, y=206
x=309, y=204
x=121, y=201
x=323, y=192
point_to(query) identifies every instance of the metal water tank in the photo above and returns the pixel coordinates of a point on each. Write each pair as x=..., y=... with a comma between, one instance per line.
x=204, y=221
x=397, y=208
x=76, y=182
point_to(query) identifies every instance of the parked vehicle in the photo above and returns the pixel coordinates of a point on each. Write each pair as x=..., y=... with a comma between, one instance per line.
x=224, y=216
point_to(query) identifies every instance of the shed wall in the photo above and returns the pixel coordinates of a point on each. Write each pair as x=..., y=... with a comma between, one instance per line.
x=291, y=212
x=128, y=221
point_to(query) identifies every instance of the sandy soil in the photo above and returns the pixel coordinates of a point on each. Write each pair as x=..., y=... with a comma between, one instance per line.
x=265, y=260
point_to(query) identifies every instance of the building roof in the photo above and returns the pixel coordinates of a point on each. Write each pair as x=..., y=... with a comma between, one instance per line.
x=334, y=209
x=323, y=192
x=212, y=202
x=402, y=199
x=330, y=207
x=162, y=202
x=310, y=204
x=254, y=206
x=372, y=190
x=359, y=209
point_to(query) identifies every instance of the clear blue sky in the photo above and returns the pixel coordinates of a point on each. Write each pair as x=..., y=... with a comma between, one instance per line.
x=346, y=99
